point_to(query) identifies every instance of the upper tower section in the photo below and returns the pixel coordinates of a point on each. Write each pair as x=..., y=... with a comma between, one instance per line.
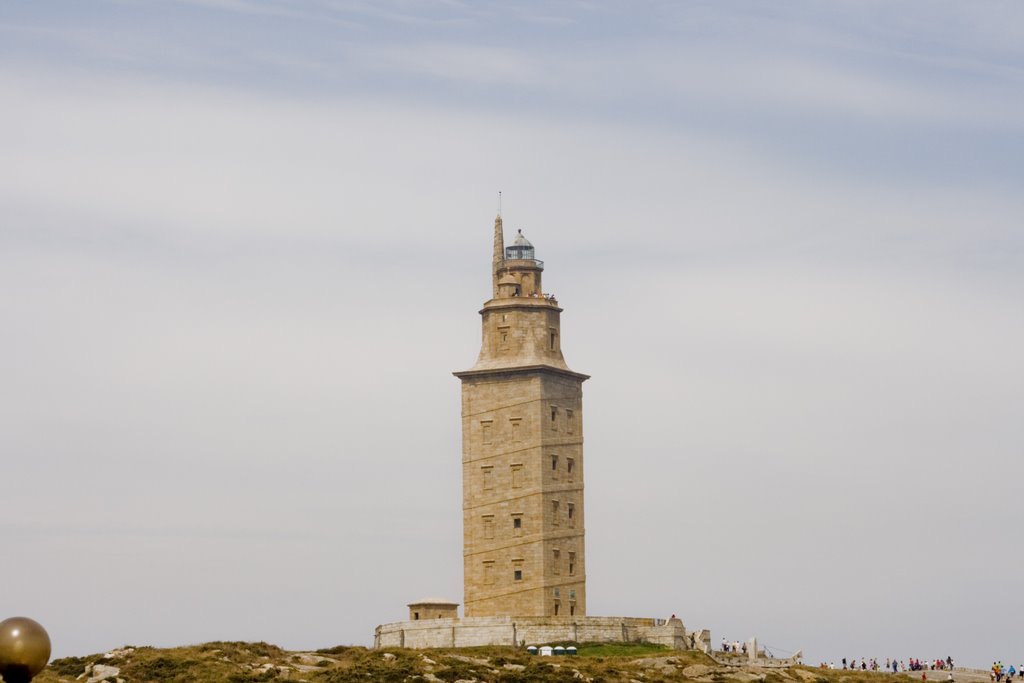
x=521, y=324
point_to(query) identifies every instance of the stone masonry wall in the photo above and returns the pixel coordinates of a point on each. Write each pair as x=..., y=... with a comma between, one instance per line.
x=515, y=631
x=523, y=515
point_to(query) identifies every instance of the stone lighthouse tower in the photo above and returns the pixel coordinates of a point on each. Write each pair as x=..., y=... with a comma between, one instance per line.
x=522, y=452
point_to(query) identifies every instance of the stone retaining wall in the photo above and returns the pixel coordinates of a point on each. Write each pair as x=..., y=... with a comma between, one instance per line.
x=516, y=631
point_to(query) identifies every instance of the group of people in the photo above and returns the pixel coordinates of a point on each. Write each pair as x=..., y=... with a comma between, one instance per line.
x=735, y=646
x=998, y=672
x=894, y=665
x=940, y=664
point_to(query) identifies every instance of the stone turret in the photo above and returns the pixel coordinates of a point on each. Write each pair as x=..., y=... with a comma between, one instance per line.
x=498, y=254
x=521, y=324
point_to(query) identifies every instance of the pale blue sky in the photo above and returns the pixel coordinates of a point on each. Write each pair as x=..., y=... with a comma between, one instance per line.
x=244, y=242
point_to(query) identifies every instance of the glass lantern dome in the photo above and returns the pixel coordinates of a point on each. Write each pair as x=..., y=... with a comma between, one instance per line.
x=520, y=249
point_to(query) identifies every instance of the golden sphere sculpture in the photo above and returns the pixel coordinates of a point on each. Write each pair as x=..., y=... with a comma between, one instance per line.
x=24, y=649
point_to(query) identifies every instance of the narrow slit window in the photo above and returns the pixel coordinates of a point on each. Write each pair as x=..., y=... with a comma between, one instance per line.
x=554, y=512
x=570, y=467
x=570, y=512
x=556, y=561
x=572, y=564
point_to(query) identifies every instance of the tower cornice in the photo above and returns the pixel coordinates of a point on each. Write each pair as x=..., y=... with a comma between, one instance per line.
x=515, y=370
x=521, y=304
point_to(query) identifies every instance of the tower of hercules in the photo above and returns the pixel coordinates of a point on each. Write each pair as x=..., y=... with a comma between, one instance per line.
x=522, y=452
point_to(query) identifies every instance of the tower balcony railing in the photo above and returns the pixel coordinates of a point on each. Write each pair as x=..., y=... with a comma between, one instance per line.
x=537, y=295
x=507, y=263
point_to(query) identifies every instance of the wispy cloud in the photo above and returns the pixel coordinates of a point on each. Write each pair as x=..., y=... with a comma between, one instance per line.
x=474, y=64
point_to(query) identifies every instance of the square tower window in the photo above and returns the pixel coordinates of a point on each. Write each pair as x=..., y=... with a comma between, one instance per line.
x=517, y=524
x=517, y=570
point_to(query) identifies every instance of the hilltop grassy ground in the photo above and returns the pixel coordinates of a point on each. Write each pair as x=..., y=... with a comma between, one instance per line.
x=262, y=663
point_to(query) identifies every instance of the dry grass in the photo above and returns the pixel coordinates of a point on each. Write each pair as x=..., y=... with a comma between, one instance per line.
x=231, y=662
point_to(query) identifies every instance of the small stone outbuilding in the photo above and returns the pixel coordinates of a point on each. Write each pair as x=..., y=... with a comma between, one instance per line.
x=433, y=608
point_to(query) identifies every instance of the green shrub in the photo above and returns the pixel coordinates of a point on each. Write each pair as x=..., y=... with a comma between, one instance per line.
x=159, y=669
x=268, y=675
x=70, y=666
x=338, y=649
